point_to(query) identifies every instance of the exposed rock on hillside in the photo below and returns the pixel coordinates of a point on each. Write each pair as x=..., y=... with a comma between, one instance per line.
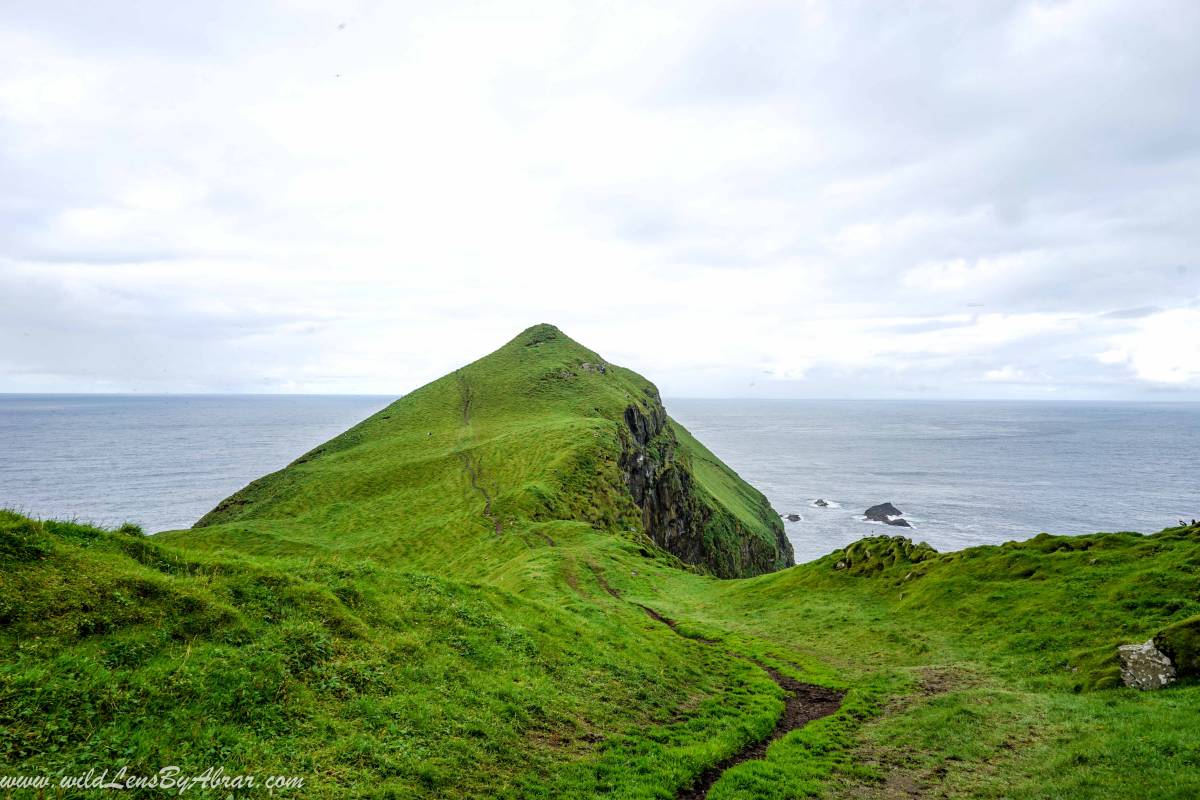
x=1181, y=644
x=679, y=515
x=1144, y=666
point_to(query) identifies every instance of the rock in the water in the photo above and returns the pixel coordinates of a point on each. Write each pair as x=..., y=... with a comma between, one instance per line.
x=1144, y=666
x=793, y=517
x=903, y=523
x=881, y=512
x=821, y=503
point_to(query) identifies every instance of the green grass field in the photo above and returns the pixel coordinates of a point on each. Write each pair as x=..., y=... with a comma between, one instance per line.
x=446, y=601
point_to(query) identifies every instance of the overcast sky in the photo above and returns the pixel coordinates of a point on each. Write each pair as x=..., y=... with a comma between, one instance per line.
x=736, y=199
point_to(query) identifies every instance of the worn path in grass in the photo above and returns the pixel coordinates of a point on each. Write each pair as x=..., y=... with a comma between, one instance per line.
x=472, y=466
x=803, y=703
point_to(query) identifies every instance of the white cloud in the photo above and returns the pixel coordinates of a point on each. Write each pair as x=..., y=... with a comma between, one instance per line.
x=242, y=196
x=1163, y=348
x=1006, y=374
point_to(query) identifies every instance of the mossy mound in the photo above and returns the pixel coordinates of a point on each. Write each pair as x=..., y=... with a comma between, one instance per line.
x=1181, y=643
x=873, y=555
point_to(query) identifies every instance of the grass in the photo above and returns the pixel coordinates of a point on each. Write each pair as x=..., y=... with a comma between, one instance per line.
x=1009, y=655
x=544, y=431
x=357, y=620
x=123, y=650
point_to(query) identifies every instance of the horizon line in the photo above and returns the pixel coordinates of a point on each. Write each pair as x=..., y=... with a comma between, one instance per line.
x=850, y=399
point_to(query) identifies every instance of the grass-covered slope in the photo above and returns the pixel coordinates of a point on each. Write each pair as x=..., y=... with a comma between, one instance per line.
x=363, y=677
x=1006, y=659
x=467, y=596
x=541, y=431
x=985, y=673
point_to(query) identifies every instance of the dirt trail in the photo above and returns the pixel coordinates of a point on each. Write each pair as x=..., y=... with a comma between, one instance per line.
x=472, y=466
x=473, y=474
x=804, y=703
x=604, y=584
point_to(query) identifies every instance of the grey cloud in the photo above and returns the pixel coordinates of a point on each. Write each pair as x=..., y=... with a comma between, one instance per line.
x=1132, y=313
x=874, y=163
x=191, y=30
x=925, y=326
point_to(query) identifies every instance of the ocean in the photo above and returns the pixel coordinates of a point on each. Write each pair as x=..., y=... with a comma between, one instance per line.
x=160, y=461
x=963, y=473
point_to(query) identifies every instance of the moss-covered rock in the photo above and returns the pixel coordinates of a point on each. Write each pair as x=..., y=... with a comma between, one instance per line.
x=1181, y=643
x=876, y=553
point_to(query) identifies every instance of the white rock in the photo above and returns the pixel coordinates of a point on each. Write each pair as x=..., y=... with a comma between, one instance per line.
x=1144, y=666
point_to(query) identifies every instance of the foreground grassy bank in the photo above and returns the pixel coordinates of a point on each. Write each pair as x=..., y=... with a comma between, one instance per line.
x=988, y=674
x=1007, y=656
x=465, y=595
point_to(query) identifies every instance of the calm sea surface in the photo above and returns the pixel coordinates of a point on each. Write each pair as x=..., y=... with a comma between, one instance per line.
x=964, y=473
x=161, y=461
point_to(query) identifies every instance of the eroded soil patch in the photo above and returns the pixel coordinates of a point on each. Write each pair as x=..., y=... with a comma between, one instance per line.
x=804, y=703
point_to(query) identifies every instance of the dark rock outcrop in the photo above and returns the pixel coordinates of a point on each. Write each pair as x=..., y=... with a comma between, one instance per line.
x=821, y=503
x=793, y=518
x=898, y=521
x=1181, y=644
x=679, y=515
x=881, y=512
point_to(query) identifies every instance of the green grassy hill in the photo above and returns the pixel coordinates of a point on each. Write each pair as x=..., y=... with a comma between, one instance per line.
x=541, y=433
x=466, y=596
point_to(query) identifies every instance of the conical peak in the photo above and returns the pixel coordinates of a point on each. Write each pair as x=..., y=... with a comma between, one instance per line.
x=547, y=339
x=542, y=332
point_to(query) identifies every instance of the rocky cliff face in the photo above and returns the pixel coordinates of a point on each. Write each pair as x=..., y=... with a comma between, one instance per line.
x=679, y=515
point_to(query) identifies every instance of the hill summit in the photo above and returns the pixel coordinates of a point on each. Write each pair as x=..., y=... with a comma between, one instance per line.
x=541, y=431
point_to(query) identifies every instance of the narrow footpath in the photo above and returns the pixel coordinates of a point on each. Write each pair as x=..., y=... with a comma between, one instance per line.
x=803, y=703
x=471, y=465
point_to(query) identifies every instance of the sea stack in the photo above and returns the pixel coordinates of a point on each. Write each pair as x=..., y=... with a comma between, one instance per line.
x=888, y=514
x=882, y=512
